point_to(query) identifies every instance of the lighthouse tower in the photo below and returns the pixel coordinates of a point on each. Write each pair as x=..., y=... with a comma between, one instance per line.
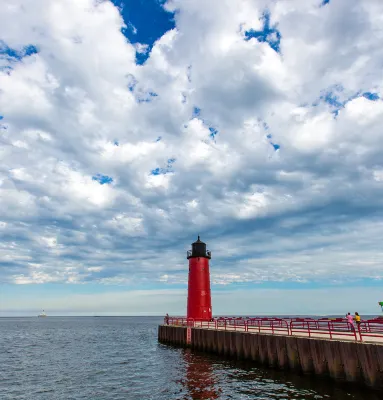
x=199, y=297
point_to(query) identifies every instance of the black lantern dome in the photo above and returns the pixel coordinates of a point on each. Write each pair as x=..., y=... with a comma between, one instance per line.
x=198, y=250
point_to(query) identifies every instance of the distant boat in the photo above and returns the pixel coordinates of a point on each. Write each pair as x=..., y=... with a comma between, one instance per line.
x=42, y=315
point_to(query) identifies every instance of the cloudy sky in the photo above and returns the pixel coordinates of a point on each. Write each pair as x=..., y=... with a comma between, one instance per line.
x=129, y=127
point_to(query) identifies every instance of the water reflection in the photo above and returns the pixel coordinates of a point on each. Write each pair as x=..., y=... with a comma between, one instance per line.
x=208, y=376
x=200, y=381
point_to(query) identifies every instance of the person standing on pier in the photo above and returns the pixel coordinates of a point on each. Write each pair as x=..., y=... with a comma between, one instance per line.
x=350, y=319
x=357, y=319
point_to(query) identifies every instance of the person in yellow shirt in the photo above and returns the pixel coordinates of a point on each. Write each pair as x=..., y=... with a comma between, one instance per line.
x=357, y=319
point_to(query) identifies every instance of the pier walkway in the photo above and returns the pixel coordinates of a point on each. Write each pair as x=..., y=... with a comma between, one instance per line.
x=369, y=331
x=323, y=347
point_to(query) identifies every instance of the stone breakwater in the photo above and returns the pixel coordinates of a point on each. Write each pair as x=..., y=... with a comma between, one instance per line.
x=340, y=360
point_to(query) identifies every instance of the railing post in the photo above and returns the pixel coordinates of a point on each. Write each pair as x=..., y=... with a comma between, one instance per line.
x=329, y=328
x=353, y=329
x=360, y=332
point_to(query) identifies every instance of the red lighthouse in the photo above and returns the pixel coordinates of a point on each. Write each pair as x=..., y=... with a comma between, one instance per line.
x=199, y=297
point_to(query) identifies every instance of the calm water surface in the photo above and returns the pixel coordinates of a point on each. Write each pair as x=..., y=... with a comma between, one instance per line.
x=120, y=358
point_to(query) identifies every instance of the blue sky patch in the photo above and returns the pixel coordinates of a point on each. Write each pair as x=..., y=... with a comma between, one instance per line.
x=116, y=143
x=146, y=22
x=16, y=55
x=157, y=171
x=268, y=34
x=371, y=96
x=159, y=138
x=164, y=171
x=332, y=99
x=171, y=161
x=102, y=179
x=3, y=126
x=196, y=112
x=141, y=57
x=324, y=2
x=213, y=132
x=337, y=100
x=275, y=145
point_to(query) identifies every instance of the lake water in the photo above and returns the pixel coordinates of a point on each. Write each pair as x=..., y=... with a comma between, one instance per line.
x=120, y=358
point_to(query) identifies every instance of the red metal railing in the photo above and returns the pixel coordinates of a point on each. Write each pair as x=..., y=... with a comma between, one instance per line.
x=335, y=328
x=206, y=324
x=179, y=321
x=275, y=326
x=372, y=328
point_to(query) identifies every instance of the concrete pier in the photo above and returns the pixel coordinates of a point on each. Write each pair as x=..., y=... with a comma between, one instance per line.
x=338, y=359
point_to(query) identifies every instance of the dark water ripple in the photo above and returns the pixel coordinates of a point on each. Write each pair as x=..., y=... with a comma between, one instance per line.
x=120, y=358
